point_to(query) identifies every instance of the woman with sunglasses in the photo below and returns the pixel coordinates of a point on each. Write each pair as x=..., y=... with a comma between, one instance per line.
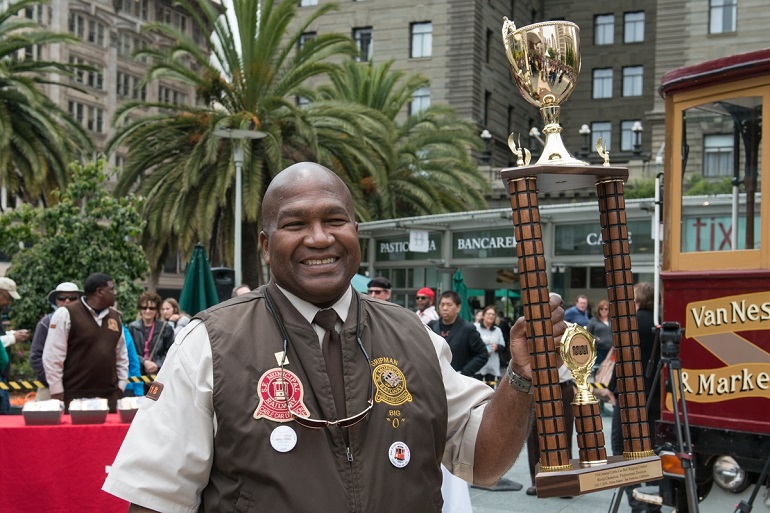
x=152, y=336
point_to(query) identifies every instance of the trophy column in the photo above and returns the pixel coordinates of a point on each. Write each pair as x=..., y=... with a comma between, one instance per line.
x=533, y=277
x=620, y=292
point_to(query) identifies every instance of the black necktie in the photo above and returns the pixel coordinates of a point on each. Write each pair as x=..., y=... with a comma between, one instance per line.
x=332, y=351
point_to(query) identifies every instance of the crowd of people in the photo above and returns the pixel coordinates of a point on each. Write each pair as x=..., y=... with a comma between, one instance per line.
x=85, y=348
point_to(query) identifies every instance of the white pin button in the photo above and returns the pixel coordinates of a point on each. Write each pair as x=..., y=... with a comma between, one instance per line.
x=283, y=439
x=399, y=454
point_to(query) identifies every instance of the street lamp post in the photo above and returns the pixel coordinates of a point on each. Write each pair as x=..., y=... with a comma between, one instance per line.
x=534, y=136
x=636, y=129
x=585, y=131
x=486, y=157
x=237, y=136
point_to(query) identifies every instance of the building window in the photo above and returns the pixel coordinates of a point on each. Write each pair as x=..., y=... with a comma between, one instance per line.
x=363, y=38
x=95, y=33
x=77, y=25
x=604, y=29
x=87, y=29
x=627, y=134
x=723, y=15
x=127, y=86
x=92, y=78
x=602, y=83
x=305, y=38
x=306, y=3
x=128, y=43
x=168, y=95
x=487, y=106
x=718, y=155
x=136, y=8
x=602, y=130
x=420, y=101
x=633, y=27
x=91, y=118
x=422, y=39
x=488, y=49
x=29, y=53
x=633, y=80
x=174, y=18
x=34, y=12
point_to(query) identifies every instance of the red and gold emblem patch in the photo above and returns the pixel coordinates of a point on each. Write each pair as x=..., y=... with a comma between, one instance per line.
x=274, y=391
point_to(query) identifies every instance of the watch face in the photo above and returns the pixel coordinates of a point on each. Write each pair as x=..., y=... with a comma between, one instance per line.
x=519, y=383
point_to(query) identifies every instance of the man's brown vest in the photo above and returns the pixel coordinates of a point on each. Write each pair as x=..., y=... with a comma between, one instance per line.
x=321, y=473
x=90, y=368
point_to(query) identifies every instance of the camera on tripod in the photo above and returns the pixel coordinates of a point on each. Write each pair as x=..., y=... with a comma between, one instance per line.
x=669, y=334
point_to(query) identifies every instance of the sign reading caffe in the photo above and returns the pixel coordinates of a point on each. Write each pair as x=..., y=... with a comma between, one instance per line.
x=586, y=238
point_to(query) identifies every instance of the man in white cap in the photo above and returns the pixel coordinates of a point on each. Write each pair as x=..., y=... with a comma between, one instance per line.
x=7, y=294
x=64, y=294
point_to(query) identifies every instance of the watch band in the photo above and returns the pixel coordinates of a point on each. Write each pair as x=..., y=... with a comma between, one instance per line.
x=519, y=383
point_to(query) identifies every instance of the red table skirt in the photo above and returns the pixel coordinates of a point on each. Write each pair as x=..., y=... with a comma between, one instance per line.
x=58, y=468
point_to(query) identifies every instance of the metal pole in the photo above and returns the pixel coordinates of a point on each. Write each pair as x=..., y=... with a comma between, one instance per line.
x=734, y=218
x=238, y=158
x=657, y=236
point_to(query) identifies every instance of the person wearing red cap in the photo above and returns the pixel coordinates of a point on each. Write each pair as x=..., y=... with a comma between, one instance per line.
x=425, y=309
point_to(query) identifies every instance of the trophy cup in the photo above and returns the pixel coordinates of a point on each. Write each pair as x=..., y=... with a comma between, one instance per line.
x=545, y=62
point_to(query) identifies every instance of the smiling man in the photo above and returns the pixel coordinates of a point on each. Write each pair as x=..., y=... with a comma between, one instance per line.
x=304, y=376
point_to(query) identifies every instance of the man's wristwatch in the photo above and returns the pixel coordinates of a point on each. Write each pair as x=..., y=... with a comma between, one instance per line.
x=521, y=384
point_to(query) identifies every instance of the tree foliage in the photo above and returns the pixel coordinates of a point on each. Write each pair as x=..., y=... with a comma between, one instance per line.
x=37, y=138
x=425, y=166
x=88, y=230
x=174, y=157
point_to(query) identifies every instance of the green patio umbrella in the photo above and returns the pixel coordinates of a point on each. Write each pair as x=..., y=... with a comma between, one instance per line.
x=199, y=290
x=458, y=285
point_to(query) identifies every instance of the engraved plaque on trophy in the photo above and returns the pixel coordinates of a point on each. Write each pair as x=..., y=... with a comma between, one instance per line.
x=545, y=63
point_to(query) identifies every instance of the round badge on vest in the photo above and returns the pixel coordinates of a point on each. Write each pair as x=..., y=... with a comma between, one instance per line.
x=399, y=454
x=283, y=439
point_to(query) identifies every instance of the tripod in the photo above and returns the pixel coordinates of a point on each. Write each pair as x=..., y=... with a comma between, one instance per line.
x=668, y=336
x=746, y=507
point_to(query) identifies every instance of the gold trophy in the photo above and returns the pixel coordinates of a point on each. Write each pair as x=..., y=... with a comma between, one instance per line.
x=545, y=62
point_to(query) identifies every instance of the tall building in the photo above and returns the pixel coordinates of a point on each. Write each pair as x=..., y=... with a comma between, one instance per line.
x=458, y=45
x=109, y=32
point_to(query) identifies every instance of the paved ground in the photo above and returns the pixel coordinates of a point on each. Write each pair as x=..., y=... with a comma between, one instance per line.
x=484, y=501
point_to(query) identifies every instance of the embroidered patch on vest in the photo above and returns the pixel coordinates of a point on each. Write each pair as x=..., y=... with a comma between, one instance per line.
x=391, y=384
x=273, y=392
x=154, y=391
x=112, y=324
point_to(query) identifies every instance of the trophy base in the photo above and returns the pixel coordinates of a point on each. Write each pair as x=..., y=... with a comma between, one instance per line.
x=552, y=178
x=617, y=472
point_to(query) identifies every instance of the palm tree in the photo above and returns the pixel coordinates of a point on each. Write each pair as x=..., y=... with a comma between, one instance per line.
x=186, y=171
x=429, y=169
x=37, y=139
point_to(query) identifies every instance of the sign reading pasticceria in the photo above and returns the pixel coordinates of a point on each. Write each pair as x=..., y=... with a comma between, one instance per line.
x=397, y=249
x=586, y=238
